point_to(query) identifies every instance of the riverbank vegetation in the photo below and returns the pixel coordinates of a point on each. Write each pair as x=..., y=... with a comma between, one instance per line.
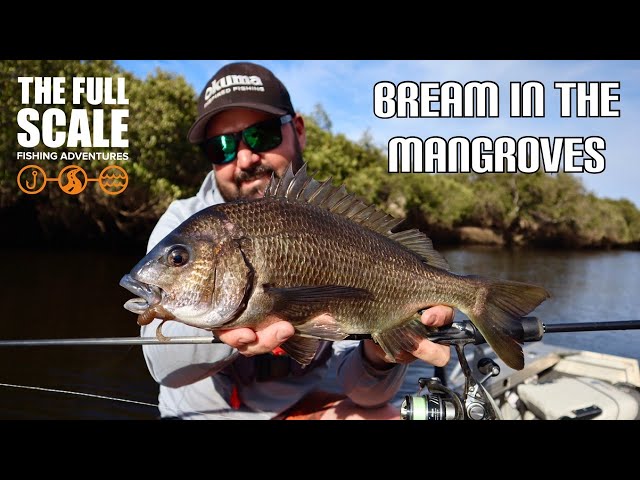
x=502, y=209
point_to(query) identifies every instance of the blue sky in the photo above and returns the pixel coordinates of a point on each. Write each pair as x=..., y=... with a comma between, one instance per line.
x=345, y=90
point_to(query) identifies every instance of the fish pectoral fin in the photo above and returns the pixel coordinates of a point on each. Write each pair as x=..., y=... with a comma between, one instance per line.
x=402, y=339
x=301, y=349
x=322, y=327
x=298, y=304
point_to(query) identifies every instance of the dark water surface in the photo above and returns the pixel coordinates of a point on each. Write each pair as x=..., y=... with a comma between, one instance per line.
x=75, y=294
x=70, y=294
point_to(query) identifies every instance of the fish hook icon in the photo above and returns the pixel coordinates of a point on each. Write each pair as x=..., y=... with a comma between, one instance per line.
x=33, y=184
x=31, y=187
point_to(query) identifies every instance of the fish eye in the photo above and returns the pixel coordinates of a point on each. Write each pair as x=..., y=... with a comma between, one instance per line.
x=177, y=256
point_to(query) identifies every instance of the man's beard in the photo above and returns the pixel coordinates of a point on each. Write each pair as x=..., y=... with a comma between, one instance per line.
x=236, y=192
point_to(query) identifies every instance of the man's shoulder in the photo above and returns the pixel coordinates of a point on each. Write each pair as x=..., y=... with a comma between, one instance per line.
x=181, y=209
x=206, y=197
x=185, y=206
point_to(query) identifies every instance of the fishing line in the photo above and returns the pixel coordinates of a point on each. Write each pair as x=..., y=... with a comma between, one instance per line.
x=81, y=394
x=104, y=397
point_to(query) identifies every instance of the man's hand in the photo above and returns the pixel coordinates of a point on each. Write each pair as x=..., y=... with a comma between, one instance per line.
x=428, y=351
x=263, y=340
x=254, y=342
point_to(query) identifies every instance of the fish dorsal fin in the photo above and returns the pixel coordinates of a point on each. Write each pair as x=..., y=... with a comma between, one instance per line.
x=302, y=187
x=418, y=242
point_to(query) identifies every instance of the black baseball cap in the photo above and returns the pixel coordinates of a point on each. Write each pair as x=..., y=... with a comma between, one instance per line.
x=240, y=84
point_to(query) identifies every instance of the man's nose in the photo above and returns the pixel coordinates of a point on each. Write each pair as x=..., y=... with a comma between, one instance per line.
x=246, y=158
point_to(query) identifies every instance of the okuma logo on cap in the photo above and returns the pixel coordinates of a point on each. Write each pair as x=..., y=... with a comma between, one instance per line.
x=220, y=86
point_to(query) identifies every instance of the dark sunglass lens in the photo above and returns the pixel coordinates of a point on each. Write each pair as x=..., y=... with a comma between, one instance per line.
x=264, y=136
x=221, y=149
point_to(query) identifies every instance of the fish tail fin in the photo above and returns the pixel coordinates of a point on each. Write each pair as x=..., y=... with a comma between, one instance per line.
x=497, y=312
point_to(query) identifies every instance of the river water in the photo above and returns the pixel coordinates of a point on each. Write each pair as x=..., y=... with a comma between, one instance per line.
x=75, y=294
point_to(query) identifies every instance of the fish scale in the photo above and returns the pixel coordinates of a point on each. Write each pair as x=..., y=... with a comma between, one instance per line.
x=394, y=276
x=309, y=248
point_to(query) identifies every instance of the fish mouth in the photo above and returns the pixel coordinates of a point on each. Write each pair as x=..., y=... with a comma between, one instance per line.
x=149, y=296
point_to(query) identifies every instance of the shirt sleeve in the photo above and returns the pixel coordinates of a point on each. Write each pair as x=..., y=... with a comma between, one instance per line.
x=179, y=365
x=365, y=384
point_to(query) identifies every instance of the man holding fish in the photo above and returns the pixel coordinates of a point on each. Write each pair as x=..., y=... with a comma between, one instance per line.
x=249, y=130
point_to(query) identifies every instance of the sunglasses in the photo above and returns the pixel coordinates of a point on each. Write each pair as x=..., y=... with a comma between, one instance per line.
x=259, y=137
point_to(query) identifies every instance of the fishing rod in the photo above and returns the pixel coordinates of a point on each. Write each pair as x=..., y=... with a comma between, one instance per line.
x=463, y=332
x=53, y=342
x=441, y=403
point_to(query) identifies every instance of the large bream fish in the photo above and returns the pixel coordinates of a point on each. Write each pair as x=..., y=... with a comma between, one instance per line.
x=308, y=248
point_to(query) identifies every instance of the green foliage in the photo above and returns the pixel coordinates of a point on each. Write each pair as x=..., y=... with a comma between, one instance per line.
x=443, y=201
x=631, y=216
x=551, y=209
x=359, y=165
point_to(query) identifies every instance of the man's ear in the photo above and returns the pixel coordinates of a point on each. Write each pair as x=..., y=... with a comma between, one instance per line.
x=298, y=124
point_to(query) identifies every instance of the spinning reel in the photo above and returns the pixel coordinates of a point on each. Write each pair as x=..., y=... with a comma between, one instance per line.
x=441, y=402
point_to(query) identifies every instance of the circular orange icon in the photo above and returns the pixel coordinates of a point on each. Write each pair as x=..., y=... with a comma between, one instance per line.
x=33, y=181
x=113, y=180
x=72, y=179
